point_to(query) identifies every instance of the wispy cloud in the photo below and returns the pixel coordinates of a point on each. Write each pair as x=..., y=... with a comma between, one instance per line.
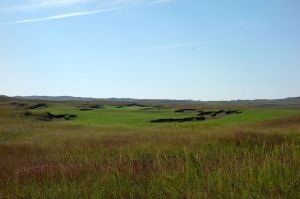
x=30, y=5
x=108, y=6
x=181, y=45
x=56, y=17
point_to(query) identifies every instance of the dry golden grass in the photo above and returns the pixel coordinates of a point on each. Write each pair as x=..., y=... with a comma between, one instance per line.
x=55, y=160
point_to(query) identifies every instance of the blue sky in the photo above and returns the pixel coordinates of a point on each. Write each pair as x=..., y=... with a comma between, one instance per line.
x=175, y=49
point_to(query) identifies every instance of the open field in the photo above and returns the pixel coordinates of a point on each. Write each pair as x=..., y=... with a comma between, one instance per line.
x=115, y=151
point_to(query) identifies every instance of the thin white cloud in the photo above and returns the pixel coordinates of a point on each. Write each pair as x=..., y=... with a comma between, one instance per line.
x=181, y=45
x=42, y=4
x=37, y=5
x=113, y=5
x=56, y=17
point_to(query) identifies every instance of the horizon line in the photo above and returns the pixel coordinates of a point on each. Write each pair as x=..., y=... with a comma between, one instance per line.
x=132, y=98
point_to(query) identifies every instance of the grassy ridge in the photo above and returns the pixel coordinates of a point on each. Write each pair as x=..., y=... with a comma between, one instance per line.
x=117, y=153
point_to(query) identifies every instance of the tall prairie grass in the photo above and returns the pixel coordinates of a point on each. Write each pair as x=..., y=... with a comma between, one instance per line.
x=56, y=160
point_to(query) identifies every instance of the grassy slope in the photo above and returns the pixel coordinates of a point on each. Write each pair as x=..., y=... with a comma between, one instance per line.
x=117, y=153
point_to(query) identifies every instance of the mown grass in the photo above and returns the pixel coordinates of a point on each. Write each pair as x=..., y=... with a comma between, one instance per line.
x=137, y=117
x=97, y=156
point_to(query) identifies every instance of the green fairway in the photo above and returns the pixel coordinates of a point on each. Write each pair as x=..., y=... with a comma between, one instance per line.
x=138, y=117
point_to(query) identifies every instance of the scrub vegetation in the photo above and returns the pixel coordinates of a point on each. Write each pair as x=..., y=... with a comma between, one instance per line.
x=107, y=150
